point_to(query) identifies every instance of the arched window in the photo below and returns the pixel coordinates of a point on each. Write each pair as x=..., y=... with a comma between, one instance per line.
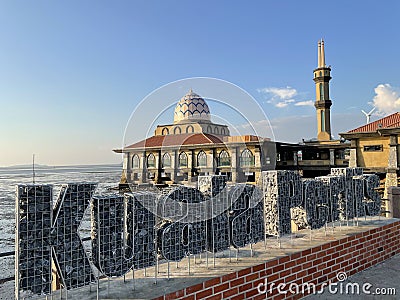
x=189, y=129
x=151, y=161
x=183, y=160
x=165, y=131
x=177, y=130
x=201, y=159
x=246, y=158
x=216, y=131
x=224, y=159
x=135, y=162
x=223, y=131
x=166, y=160
x=209, y=129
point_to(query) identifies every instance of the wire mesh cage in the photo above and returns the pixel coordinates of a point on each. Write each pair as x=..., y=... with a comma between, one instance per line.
x=245, y=215
x=32, y=245
x=182, y=230
x=110, y=252
x=70, y=257
x=141, y=228
x=282, y=191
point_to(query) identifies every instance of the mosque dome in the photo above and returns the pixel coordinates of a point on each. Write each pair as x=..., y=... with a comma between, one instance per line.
x=190, y=108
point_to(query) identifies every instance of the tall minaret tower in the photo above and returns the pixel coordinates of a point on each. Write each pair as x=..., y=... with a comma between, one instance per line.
x=322, y=75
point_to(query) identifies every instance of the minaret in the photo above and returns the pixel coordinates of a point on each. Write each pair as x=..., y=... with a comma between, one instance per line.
x=322, y=75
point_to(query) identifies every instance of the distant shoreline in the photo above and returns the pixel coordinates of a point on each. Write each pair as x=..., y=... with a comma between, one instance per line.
x=40, y=166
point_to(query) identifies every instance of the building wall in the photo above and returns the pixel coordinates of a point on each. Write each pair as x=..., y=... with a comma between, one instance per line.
x=373, y=159
x=242, y=173
x=317, y=265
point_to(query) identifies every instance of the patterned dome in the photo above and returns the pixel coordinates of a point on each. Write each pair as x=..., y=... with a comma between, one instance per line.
x=191, y=108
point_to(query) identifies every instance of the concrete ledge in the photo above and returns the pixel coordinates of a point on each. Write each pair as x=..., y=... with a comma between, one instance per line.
x=298, y=259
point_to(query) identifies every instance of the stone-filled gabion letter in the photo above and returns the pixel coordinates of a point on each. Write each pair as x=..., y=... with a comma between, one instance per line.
x=110, y=252
x=372, y=198
x=316, y=203
x=183, y=229
x=215, y=193
x=141, y=226
x=347, y=200
x=246, y=215
x=282, y=190
x=70, y=257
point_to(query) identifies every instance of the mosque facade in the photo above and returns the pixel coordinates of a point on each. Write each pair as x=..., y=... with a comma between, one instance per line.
x=194, y=145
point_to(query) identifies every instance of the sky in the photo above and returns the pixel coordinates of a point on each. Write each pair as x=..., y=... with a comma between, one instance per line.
x=72, y=72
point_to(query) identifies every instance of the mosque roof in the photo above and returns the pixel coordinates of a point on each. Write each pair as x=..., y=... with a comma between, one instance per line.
x=391, y=121
x=177, y=140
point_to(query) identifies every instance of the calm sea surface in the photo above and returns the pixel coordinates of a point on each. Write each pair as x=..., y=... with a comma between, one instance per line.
x=106, y=176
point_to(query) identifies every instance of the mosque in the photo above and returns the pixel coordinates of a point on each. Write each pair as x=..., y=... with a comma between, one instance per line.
x=193, y=145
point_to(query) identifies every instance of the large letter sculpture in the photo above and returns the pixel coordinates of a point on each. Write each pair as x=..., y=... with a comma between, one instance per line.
x=315, y=203
x=246, y=212
x=32, y=247
x=347, y=201
x=335, y=188
x=215, y=193
x=141, y=228
x=70, y=257
x=372, y=199
x=110, y=252
x=183, y=231
x=125, y=233
x=42, y=230
x=282, y=191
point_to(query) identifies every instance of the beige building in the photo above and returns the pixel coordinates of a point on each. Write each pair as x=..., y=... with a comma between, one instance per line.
x=375, y=147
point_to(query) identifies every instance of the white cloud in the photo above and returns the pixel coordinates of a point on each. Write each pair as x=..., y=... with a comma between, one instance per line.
x=279, y=97
x=281, y=104
x=284, y=103
x=305, y=103
x=387, y=99
x=281, y=93
x=282, y=97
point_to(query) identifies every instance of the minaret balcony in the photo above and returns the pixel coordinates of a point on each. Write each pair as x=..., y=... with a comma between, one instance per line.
x=321, y=104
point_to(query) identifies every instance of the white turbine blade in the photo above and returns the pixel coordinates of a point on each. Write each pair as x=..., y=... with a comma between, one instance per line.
x=364, y=112
x=372, y=110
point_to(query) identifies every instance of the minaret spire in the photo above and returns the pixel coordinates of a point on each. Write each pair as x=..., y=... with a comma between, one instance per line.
x=319, y=54
x=322, y=54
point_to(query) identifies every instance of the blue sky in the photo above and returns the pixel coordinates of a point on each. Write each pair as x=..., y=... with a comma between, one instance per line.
x=72, y=72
